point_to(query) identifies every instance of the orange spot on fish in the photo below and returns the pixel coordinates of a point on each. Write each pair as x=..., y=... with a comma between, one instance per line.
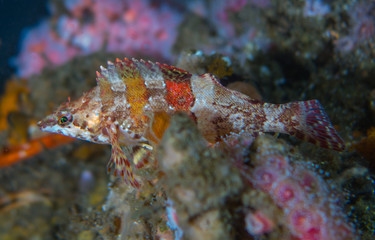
x=179, y=95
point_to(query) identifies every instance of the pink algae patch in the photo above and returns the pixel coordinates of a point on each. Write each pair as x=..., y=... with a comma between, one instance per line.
x=308, y=181
x=277, y=162
x=258, y=223
x=287, y=193
x=306, y=223
x=265, y=177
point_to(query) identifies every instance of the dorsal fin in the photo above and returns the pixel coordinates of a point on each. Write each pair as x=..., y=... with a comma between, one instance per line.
x=132, y=68
x=111, y=74
x=109, y=81
x=104, y=85
x=133, y=73
x=127, y=68
x=174, y=73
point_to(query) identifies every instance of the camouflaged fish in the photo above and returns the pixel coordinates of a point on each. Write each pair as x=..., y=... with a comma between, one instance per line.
x=134, y=100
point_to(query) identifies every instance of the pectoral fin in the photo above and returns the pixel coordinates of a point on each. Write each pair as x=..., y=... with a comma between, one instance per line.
x=122, y=166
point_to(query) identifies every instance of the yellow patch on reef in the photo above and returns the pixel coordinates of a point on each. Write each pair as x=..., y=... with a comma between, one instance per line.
x=15, y=93
x=219, y=67
x=136, y=94
x=366, y=147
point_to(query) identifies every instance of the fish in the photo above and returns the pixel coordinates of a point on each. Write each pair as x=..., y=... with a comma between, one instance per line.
x=134, y=100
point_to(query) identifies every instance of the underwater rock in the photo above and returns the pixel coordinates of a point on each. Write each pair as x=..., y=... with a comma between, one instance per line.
x=198, y=179
x=372, y=104
x=232, y=190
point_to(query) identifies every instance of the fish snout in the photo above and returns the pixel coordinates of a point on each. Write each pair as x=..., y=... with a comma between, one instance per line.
x=46, y=122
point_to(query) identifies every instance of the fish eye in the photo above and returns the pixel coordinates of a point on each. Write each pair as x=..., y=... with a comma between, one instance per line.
x=65, y=118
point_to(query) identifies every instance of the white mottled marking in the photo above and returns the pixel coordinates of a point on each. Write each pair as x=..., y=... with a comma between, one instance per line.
x=157, y=103
x=152, y=75
x=202, y=88
x=237, y=121
x=272, y=113
x=129, y=136
x=112, y=76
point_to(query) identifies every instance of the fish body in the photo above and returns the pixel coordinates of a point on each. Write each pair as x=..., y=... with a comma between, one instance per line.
x=134, y=100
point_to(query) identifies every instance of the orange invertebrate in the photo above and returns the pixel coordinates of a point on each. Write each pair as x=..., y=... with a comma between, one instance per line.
x=21, y=152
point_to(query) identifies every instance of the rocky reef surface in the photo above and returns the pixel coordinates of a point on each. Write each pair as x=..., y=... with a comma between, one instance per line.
x=275, y=187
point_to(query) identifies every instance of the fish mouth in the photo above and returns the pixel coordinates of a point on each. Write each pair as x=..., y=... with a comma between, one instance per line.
x=46, y=122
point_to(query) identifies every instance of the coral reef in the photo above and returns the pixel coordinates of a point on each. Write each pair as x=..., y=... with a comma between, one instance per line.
x=308, y=209
x=79, y=28
x=271, y=195
x=286, y=50
x=362, y=27
x=366, y=147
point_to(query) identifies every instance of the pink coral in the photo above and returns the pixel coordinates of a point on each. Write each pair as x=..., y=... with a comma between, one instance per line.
x=306, y=223
x=258, y=223
x=41, y=49
x=118, y=26
x=362, y=30
x=309, y=212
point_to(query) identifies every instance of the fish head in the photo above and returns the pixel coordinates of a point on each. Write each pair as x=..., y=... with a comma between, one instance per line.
x=79, y=119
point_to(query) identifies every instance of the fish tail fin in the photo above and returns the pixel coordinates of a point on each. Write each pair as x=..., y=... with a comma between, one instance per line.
x=314, y=125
